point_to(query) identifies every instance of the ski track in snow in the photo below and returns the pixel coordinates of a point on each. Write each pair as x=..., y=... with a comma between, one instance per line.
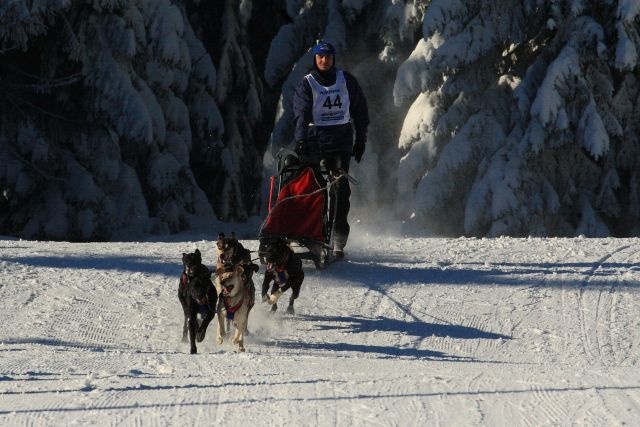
x=408, y=332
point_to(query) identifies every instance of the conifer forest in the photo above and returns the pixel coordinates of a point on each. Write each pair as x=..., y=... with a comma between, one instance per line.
x=487, y=117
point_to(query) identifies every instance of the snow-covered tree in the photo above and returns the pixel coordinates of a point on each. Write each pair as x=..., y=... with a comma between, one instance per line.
x=522, y=118
x=231, y=174
x=96, y=142
x=502, y=117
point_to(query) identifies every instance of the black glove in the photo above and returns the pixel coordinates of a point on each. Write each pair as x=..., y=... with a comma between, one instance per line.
x=358, y=150
x=302, y=149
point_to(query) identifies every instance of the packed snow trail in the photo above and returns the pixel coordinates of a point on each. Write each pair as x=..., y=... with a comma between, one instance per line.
x=404, y=332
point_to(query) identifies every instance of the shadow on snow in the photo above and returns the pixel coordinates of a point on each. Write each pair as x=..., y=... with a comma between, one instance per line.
x=71, y=345
x=381, y=352
x=375, y=274
x=273, y=400
x=138, y=264
x=385, y=324
x=419, y=329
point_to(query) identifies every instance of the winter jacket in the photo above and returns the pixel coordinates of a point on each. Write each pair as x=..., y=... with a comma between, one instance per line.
x=336, y=138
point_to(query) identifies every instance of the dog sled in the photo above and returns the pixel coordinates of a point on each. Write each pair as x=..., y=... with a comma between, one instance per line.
x=301, y=208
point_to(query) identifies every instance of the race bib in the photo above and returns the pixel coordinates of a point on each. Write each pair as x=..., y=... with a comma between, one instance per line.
x=330, y=104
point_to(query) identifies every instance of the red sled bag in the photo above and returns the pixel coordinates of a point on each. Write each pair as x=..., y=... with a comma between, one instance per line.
x=299, y=209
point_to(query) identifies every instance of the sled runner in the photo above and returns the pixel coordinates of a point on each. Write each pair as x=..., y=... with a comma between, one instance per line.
x=301, y=208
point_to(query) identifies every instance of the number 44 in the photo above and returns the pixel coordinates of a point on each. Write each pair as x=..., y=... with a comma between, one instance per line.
x=336, y=102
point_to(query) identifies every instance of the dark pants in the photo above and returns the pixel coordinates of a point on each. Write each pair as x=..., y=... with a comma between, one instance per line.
x=336, y=162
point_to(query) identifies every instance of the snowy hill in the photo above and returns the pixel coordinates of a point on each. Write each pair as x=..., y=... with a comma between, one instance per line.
x=406, y=332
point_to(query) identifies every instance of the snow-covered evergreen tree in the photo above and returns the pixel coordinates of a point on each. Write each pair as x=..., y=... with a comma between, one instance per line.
x=98, y=142
x=498, y=117
x=231, y=174
x=521, y=120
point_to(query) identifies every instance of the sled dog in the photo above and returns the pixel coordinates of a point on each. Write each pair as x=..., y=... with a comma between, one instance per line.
x=284, y=269
x=231, y=252
x=234, y=288
x=197, y=295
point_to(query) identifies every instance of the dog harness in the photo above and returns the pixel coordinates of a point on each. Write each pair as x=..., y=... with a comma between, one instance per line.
x=203, y=309
x=280, y=271
x=231, y=311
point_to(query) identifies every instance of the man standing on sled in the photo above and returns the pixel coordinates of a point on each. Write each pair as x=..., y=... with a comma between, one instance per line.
x=328, y=105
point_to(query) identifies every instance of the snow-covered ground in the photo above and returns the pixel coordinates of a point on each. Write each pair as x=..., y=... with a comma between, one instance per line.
x=407, y=331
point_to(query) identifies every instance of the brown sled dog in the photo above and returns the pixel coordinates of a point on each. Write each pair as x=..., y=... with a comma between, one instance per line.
x=234, y=303
x=230, y=254
x=231, y=251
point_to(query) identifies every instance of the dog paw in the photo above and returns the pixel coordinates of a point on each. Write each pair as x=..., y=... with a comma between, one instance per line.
x=194, y=350
x=265, y=297
x=290, y=310
x=219, y=340
x=241, y=349
x=275, y=296
x=274, y=307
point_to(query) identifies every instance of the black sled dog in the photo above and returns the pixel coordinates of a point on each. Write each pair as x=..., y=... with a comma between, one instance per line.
x=197, y=295
x=284, y=269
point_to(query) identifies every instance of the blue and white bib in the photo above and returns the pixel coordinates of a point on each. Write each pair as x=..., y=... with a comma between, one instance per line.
x=330, y=104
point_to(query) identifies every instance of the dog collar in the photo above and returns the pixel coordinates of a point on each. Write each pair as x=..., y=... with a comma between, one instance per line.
x=235, y=307
x=274, y=268
x=231, y=310
x=279, y=268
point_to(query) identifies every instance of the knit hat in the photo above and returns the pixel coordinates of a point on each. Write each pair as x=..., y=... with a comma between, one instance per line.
x=324, y=48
